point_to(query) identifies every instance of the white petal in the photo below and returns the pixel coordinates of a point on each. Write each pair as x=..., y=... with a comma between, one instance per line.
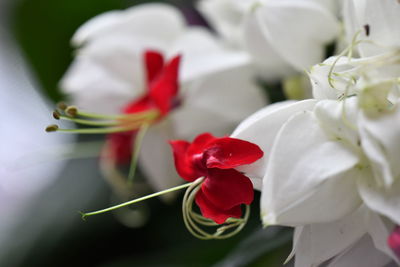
x=317, y=243
x=226, y=16
x=339, y=120
x=262, y=127
x=379, y=230
x=96, y=25
x=271, y=65
x=156, y=158
x=383, y=200
x=383, y=20
x=92, y=86
x=307, y=25
x=381, y=143
x=204, y=54
x=161, y=20
x=363, y=253
x=297, y=234
x=309, y=177
x=217, y=103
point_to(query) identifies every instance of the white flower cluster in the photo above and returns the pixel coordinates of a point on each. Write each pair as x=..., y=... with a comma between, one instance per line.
x=331, y=165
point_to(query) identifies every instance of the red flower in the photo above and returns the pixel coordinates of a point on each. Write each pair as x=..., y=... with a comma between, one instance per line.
x=224, y=189
x=119, y=147
x=162, y=85
x=161, y=97
x=394, y=241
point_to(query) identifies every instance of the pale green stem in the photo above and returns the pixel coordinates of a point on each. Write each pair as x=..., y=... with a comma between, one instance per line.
x=89, y=122
x=84, y=215
x=136, y=151
x=138, y=115
x=97, y=130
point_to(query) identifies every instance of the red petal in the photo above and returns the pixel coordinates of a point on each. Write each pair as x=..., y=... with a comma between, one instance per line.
x=119, y=146
x=200, y=143
x=394, y=241
x=142, y=104
x=227, y=188
x=183, y=164
x=212, y=212
x=227, y=153
x=154, y=63
x=164, y=89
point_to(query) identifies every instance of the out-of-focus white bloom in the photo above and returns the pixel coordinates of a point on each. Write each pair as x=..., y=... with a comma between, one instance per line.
x=283, y=37
x=217, y=84
x=227, y=16
x=27, y=152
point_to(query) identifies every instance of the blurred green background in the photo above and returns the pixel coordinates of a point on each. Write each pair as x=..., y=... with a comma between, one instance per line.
x=43, y=29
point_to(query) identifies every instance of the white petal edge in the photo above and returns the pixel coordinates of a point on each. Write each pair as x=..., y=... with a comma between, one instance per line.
x=262, y=127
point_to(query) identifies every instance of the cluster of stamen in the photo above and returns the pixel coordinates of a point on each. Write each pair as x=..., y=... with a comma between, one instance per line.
x=101, y=123
x=195, y=222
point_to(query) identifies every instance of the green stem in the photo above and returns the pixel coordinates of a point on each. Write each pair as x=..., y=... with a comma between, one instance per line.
x=89, y=122
x=84, y=215
x=97, y=130
x=136, y=151
x=138, y=115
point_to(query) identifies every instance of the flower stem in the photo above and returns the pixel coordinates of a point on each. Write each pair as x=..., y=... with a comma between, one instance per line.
x=137, y=145
x=89, y=122
x=84, y=215
x=98, y=130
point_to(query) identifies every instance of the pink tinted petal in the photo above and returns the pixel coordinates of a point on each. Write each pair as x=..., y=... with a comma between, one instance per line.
x=164, y=89
x=208, y=210
x=183, y=165
x=227, y=188
x=394, y=241
x=154, y=63
x=227, y=153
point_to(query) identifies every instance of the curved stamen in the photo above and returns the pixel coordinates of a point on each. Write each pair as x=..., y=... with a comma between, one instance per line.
x=88, y=122
x=99, y=131
x=193, y=220
x=152, y=113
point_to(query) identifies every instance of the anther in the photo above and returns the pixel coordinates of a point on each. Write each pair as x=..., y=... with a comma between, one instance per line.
x=62, y=106
x=56, y=114
x=367, y=29
x=52, y=128
x=71, y=111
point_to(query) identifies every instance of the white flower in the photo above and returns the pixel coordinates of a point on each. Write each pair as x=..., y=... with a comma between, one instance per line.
x=283, y=37
x=378, y=21
x=332, y=169
x=217, y=85
x=323, y=160
x=358, y=239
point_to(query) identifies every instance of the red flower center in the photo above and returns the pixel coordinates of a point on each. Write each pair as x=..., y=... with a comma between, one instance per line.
x=224, y=189
x=162, y=85
x=159, y=99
